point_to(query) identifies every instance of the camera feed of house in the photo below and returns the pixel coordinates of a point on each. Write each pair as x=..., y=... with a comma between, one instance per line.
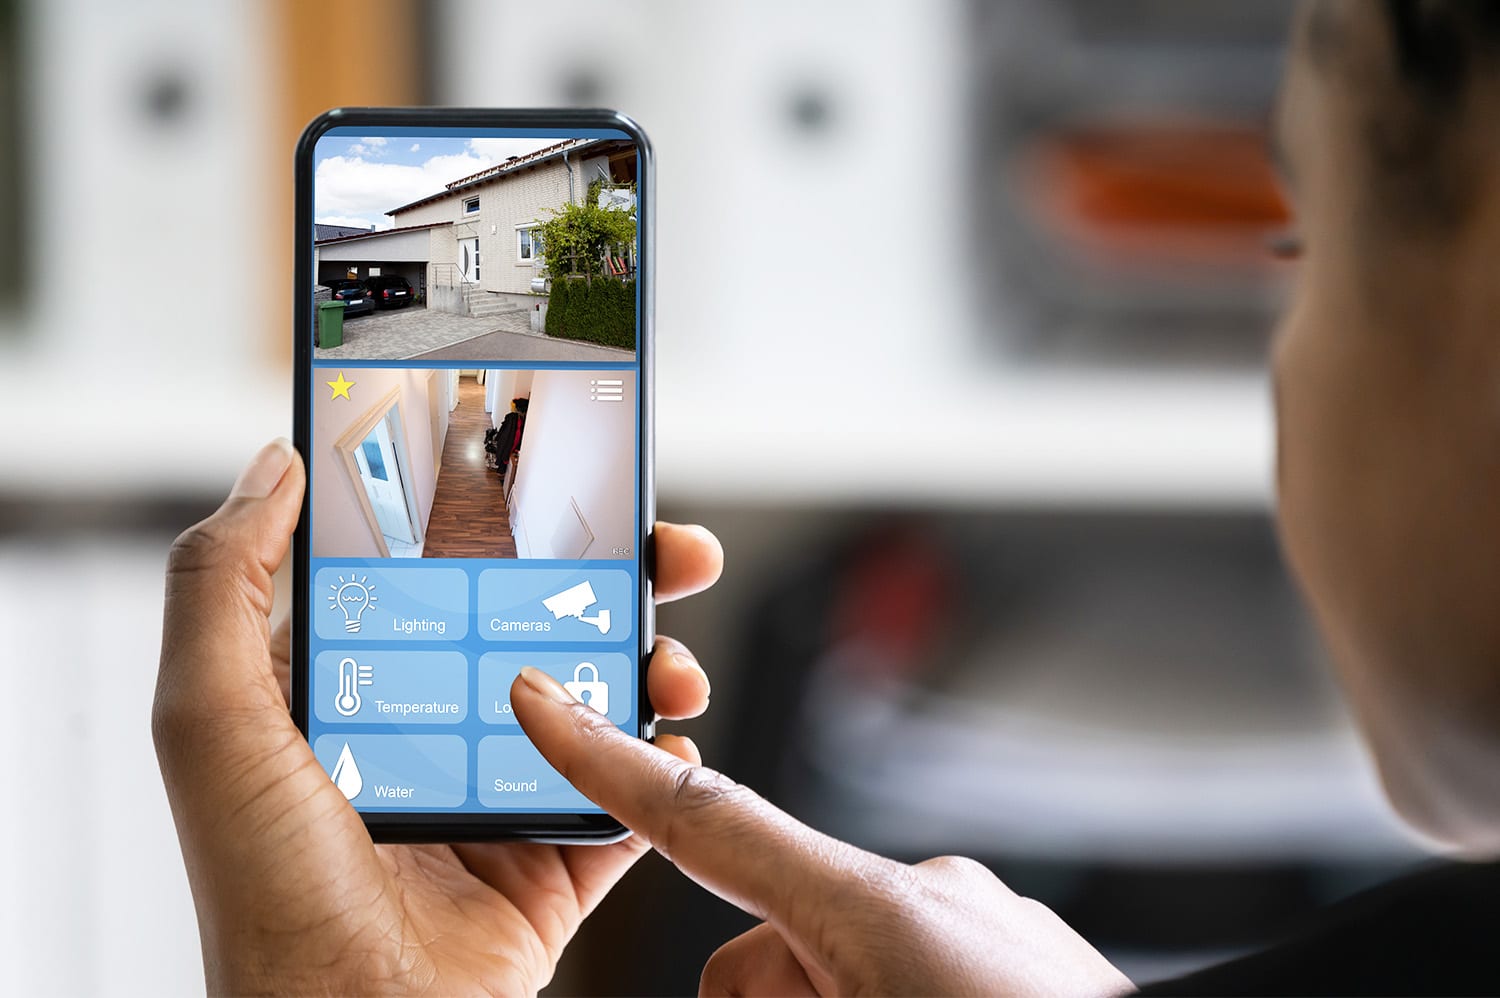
x=424, y=462
x=444, y=248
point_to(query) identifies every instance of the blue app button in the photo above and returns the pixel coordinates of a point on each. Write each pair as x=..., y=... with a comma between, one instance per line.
x=562, y=605
x=396, y=771
x=601, y=679
x=513, y=776
x=357, y=686
x=390, y=604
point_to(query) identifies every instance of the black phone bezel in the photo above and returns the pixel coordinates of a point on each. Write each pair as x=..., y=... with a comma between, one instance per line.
x=442, y=826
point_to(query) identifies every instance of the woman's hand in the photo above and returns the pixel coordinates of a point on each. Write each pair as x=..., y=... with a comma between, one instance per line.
x=291, y=894
x=837, y=920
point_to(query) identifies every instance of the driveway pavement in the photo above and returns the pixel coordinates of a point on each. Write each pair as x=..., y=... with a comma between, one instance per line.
x=415, y=332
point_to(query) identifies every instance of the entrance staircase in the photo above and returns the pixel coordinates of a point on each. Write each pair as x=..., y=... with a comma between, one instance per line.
x=482, y=304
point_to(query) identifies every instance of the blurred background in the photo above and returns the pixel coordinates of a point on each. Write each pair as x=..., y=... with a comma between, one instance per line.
x=963, y=309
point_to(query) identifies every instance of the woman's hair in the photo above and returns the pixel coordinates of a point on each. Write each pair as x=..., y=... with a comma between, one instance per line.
x=1440, y=45
x=1418, y=117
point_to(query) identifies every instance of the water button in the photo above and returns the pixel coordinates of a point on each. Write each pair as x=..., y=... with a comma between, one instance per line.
x=376, y=772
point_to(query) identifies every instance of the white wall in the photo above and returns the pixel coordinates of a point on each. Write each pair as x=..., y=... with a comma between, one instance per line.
x=445, y=209
x=520, y=388
x=439, y=405
x=592, y=169
x=339, y=527
x=380, y=247
x=579, y=449
x=500, y=388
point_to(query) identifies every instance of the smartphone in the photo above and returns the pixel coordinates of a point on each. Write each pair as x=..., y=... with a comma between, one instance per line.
x=473, y=403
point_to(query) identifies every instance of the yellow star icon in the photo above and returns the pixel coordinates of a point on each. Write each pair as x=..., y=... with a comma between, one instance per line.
x=340, y=387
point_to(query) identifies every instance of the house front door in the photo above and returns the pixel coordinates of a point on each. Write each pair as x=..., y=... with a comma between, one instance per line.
x=468, y=259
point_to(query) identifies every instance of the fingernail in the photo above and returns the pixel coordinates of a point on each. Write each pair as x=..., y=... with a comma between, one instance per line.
x=545, y=685
x=688, y=662
x=264, y=472
x=683, y=748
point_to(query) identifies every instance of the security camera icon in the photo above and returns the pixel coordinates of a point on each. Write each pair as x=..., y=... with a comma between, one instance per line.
x=573, y=601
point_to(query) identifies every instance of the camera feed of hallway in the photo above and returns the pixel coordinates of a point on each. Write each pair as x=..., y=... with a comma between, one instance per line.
x=489, y=464
x=469, y=518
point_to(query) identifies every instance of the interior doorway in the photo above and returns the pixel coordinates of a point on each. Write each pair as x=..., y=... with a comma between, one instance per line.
x=376, y=454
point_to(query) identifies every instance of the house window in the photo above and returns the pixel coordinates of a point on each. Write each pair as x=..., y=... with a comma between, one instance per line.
x=528, y=245
x=471, y=206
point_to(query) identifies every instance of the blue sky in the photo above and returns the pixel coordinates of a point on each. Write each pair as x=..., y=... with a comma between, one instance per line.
x=356, y=180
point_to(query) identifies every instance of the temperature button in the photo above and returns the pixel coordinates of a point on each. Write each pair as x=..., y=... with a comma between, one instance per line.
x=370, y=686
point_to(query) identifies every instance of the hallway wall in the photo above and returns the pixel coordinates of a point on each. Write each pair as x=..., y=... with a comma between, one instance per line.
x=577, y=448
x=502, y=386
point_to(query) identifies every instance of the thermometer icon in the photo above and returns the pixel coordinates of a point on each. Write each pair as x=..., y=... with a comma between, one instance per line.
x=352, y=676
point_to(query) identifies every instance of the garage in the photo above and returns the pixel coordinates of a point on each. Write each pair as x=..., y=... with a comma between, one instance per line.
x=402, y=252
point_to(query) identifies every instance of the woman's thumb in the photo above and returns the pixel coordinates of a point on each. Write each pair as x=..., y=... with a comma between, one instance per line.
x=216, y=635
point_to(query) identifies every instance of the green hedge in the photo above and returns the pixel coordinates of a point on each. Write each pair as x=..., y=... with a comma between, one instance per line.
x=601, y=312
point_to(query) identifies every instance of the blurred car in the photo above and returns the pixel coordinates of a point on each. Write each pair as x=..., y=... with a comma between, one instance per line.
x=356, y=298
x=389, y=291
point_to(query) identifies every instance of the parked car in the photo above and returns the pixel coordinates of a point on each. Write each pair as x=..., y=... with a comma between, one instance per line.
x=356, y=299
x=389, y=291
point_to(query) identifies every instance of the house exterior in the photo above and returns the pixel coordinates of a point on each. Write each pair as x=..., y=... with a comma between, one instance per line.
x=481, y=226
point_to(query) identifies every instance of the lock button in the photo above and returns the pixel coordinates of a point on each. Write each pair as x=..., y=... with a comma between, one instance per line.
x=592, y=691
x=603, y=680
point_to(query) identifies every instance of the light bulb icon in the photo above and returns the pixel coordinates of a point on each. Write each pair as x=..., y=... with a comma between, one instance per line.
x=353, y=598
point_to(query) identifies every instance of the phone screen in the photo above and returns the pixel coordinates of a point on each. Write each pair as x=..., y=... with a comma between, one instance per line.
x=474, y=424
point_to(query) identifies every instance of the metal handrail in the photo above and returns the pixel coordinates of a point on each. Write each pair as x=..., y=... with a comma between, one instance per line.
x=455, y=276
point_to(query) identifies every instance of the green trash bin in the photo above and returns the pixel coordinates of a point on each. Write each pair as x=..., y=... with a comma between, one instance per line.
x=330, y=324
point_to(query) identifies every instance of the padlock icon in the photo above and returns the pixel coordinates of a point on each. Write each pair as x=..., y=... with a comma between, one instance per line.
x=594, y=692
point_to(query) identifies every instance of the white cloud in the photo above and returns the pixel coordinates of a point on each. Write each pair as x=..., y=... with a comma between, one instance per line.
x=499, y=150
x=358, y=188
x=369, y=145
x=353, y=222
x=415, y=146
x=355, y=188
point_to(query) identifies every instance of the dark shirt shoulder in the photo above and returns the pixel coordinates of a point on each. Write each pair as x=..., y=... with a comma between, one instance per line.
x=1435, y=932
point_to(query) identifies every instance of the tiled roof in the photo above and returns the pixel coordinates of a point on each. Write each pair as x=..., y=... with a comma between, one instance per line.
x=499, y=169
x=515, y=162
x=321, y=232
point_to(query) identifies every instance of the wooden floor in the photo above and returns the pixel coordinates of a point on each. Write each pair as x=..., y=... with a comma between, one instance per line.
x=468, y=518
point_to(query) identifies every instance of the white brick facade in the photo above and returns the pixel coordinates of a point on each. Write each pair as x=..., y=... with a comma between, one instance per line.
x=506, y=203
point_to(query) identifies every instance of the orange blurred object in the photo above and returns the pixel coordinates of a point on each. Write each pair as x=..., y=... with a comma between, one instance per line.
x=335, y=53
x=1157, y=194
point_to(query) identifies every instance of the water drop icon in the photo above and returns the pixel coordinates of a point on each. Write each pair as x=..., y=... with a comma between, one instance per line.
x=346, y=775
